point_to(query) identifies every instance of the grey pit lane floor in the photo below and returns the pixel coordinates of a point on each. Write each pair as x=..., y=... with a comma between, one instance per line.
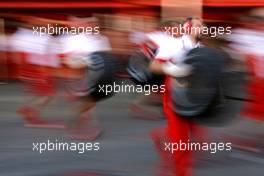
x=125, y=146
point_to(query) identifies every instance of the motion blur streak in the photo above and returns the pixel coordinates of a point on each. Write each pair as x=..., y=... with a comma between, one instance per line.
x=56, y=55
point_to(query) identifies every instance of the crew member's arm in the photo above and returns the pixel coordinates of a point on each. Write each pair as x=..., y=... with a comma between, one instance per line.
x=78, y=62
x=162, y=65
x=156, y=67
x=168, y=68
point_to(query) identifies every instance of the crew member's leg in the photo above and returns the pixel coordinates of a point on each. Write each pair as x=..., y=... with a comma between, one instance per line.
x=178, y=130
